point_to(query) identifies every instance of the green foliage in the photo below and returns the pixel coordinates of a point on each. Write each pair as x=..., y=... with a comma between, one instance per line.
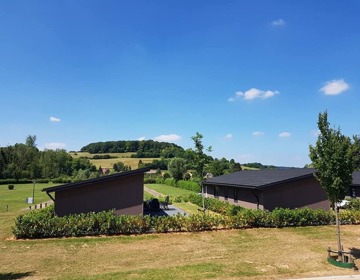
x=223, y=166
x=258, y=165
x=215, y=205
x=44, y=224
x=14, y=181
x=120, y=166
x=354, y=204
x=182, y=184
x=188, y=185
x=25, y=161
x=177, y=168
x=142, y=149
x=335, y=158
x=101, y=157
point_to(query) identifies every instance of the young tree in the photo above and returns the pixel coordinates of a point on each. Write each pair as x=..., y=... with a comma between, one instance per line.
x=177, y=168
x=200, y=158
x=335, y=157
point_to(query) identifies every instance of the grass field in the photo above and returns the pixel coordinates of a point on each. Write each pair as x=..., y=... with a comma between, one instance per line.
x=117, y=157
x=225, y=254
x=168, y=190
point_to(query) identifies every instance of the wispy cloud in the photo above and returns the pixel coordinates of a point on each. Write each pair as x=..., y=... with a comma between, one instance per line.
x=167, y=138
x=284, y=134
x=278, y=22
x=228, y=136
x=315, y=133
x=253, y=93
x=141, y=138
x=54, y=146
x=258, y=133
x=335, y=87
x=53, y=119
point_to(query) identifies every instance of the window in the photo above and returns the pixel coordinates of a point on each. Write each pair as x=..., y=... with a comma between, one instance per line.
x=226, y=194
x=216, y=191
x=235, y=194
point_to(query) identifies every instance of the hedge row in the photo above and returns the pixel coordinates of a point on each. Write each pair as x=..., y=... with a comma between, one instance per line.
x=215, y=205
x=182, y=184
x=61, y=180
x=44, y=224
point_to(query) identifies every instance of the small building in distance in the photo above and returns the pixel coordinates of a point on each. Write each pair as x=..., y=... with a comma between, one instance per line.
x=272, y=188
x=123, y=192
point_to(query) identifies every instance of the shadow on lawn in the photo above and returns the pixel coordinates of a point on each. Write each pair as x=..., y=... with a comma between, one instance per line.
x=355, y=252
x=15, y=275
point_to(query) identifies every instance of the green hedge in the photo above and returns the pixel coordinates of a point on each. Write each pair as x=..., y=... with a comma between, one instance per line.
x=215, y=205
x=182, y=184
x=14, y=181
x=44, y=224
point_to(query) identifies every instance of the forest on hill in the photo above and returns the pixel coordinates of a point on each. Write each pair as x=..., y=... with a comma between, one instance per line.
x=141, y=149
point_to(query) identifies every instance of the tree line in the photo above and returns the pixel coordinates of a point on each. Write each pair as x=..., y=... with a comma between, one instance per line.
x=22, y=161
x=142, y=149
x=26, y=161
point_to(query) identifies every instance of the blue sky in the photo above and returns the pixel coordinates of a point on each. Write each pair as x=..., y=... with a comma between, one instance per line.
x=251, y=76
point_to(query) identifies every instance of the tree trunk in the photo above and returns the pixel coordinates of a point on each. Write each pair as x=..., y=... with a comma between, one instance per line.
x=340, y=254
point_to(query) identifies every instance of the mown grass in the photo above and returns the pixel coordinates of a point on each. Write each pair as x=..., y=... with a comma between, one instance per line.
x=169, y=190
x=225, y=254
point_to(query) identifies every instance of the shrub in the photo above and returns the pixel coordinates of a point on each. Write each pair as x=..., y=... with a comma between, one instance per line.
x=150, y=181
x=10, y=187
x=188, y=185
x=43, y=223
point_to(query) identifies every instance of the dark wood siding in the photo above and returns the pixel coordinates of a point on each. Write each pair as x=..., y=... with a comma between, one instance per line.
x=301, y=193
x=124, y=194
x=245, y=198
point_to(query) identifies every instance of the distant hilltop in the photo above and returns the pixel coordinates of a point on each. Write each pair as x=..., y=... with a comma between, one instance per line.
x=142, y=149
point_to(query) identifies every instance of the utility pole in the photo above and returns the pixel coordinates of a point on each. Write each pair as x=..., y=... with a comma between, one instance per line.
x=33, y=196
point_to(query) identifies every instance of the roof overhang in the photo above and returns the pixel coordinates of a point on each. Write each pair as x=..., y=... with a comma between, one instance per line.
x=95, y=180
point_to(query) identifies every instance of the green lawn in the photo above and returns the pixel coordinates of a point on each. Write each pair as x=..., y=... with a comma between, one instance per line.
x=168, y=190
x=247, y=254
x=15, y=198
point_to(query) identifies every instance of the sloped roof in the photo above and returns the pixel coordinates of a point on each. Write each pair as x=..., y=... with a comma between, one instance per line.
x=258, y=179
x=95, y=180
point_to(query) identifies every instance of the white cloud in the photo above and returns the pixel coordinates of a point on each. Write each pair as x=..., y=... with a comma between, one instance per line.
x=284, y=134
x=258, y=133
x=278, y=22
x=141, y=138
x=335, y=87
x=54, y=146
x=315, y=133
x=253, y=93
x=228, y=136
x=167, y=138
x=53, y=119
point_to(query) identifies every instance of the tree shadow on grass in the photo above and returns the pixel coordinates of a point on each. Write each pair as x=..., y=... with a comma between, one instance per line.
x=15, y=275
x=355, y=252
